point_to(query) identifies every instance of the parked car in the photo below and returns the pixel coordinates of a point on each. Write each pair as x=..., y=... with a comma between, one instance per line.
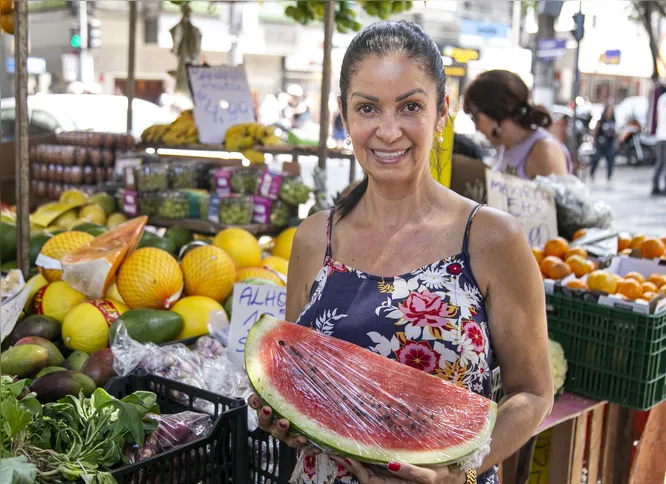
x=49, y=113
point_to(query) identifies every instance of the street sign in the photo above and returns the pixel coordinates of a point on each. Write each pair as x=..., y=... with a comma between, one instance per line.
x=611, y=57
x=550, y=49
x=460, y=55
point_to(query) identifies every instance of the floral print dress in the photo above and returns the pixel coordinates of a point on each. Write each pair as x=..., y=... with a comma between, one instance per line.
x=433, y=319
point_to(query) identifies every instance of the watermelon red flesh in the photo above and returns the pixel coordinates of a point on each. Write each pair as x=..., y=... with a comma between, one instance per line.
x=361, y=404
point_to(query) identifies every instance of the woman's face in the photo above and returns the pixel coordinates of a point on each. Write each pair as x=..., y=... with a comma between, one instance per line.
x=485, y=125
x=391, y=117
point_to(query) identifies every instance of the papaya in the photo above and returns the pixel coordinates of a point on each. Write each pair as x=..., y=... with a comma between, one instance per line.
x=35, y=325
x=50, y=369
x=36, y=243
x=7, y=241
x=54, y=386
x=55, y=356
x=91, y=228
x=99, y=367
x=148, y=325
x=23, y=361
x=76, y=360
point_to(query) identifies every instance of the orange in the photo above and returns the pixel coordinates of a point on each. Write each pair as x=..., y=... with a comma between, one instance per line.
x=663, y=239
x=579, y=265
x=57, y=247
x=627, y=251
x=580, y=233
x=662, y=289
x=652, y=248
x=650, y=295
x=559, y=271
x=649, y=287
x=556, y=247
x=208, y=271
x=630, y=288
x=618, y=278
x=602, y=281
x=657, y=279
x=150, y=278
x=594, y=265
x=577, y=284
x=637, y=241
x=575, y=251
x=538, y=254
x=623, y=243
x=635, y=275
x=547, y=263
x=7, y=23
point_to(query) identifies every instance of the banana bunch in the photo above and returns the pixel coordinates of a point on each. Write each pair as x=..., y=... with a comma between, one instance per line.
x=243, y=137
x=183, y=131
x=384, y=9
x=305, y=12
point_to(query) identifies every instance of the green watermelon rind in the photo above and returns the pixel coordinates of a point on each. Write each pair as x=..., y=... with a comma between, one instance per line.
x=323, y=439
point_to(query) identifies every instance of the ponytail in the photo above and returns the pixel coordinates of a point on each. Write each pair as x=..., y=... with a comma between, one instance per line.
x=531, y=115
x=348, y=203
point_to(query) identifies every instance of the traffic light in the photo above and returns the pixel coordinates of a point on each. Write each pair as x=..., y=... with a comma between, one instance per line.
x=75, y=37
x=579, y=31
x=94, y=33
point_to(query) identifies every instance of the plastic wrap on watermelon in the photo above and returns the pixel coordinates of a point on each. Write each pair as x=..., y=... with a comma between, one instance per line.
x=352, y=402
x=204, y=366
x=172, y=430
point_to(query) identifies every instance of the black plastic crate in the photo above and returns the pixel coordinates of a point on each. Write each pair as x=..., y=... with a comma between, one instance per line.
x=270, y=461
x=219, y=457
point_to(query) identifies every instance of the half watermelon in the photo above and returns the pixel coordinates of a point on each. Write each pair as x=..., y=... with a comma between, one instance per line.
x=356, y=403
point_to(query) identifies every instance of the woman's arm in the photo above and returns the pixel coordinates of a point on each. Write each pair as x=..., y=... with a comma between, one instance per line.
x=509, y=277
x=547, y=157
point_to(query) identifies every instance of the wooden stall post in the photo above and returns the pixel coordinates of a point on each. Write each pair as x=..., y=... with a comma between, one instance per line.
x=21, y=157
x=329, y=19
x=131, y=64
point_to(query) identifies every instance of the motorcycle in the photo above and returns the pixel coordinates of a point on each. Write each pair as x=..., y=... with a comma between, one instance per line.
x=637, y=147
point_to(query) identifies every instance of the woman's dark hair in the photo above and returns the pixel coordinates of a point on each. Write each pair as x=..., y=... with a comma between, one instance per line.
x=378, y=40
x=612, y=112
x=503, y=95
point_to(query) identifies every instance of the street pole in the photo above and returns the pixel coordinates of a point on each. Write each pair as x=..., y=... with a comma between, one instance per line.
x=576, y=83
x=83, y=50
x=329, y=18
x=131, y=65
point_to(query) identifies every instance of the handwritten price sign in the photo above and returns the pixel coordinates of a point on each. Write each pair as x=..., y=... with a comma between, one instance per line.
x=249, y=303
x=222, y=99
x=533, y=206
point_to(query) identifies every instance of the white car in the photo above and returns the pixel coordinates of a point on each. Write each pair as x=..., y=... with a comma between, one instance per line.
x=50, y=113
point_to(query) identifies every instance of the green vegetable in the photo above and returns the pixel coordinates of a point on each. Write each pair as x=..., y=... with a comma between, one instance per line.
x=17, y=470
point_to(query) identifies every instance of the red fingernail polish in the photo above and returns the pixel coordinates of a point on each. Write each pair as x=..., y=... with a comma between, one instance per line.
x=394, y=467
x=266, y=411
x=348, y=462
x=283, y=425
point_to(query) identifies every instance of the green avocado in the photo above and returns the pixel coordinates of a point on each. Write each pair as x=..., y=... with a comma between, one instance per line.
x=148, y=325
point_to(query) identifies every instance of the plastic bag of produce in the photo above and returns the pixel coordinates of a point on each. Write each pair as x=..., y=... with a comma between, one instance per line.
x=293, y=191
x=575, y=210
x=172, y=430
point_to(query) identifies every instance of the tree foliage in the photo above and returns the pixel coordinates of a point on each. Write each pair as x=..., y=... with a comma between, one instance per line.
x=647, y=13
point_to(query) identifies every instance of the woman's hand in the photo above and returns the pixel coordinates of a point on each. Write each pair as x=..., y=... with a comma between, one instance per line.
x=278, y=429
x=398, y=473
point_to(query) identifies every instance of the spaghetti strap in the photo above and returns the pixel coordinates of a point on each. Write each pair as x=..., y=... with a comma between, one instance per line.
x=468, y=228
x=329, y=234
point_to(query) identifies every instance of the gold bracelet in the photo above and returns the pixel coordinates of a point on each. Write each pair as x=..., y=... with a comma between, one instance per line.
x=471, y=476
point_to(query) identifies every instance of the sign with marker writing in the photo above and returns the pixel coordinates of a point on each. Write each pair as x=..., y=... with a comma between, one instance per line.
x=533, y=206
x=249, y=303
x=222, y=99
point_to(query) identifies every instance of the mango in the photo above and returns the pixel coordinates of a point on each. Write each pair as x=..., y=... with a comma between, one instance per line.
x=35, y=325
x=76, y=360
x=55, y=356
x=50, y=369
x=99, y=366
x=23, y=361
x=54, y=386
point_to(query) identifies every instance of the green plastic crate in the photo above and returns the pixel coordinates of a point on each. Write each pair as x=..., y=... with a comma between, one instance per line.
x=612, y=354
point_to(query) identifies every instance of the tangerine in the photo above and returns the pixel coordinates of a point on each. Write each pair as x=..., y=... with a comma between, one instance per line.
x=657, y=279
x=579, y=265
x=576, y=251
x=602, y=281
x=538, y=254
x=577, y=284
x=618, y=278
x=662, y=289
x=556, y=247
x=547, y=263
x=579, y=233
x=635, y=275
x=559, y=270
x=637, y=241
x=652, y=248
x=623, y=243
x=630, y=288
x=649, y=287
x=650, y=295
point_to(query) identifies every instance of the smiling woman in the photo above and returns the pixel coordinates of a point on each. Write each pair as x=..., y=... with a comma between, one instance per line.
x=397, y=257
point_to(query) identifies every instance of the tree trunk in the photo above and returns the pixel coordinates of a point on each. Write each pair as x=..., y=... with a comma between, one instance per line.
x=543, y=91
x=646, y=18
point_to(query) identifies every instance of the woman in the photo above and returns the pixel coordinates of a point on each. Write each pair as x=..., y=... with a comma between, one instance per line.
x=604, y=142
x=399, y=220
x=498, y=102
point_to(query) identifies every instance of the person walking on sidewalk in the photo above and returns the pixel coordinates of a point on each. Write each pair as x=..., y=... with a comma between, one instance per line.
x=661, y=147
x=604, y=141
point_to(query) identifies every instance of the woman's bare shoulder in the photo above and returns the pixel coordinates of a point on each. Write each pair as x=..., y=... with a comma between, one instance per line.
x=311, y=235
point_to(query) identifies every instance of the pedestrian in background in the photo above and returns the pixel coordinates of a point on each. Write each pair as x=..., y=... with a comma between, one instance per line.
x=661, y=148
x=498, y=103
x=604, y=142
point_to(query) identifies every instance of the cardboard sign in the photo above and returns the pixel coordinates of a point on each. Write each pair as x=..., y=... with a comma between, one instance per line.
x=249, y=303
x=222, y=99
x=533, y=206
